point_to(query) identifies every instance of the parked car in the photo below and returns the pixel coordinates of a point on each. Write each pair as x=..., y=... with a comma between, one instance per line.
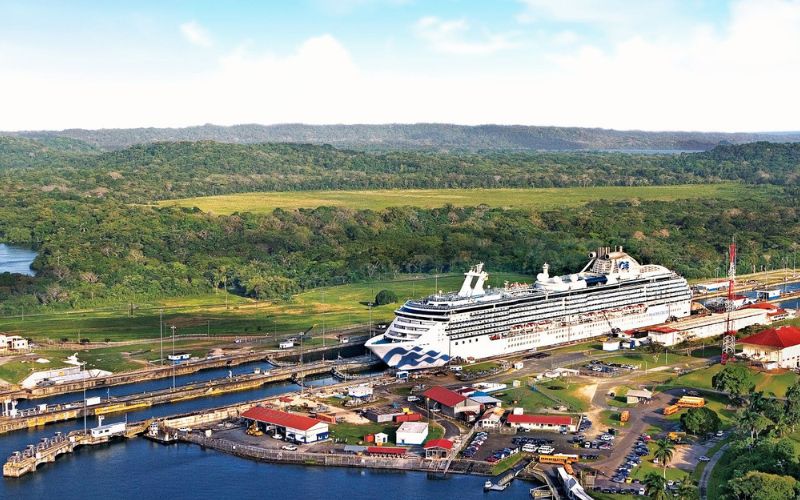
x=704, y=459
x=289, y=447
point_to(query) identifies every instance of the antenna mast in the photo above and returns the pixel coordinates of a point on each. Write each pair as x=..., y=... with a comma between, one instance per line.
x=729, y=338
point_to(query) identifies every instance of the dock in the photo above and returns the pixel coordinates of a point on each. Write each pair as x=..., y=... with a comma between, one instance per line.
x=71, y=411
x=48, y=449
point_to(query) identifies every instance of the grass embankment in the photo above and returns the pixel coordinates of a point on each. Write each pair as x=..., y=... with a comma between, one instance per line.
x=565, y=391
x=479, y=367
x=525, y=397
x=774, y=383
x=355, y=433
x=535, y=198
x=334, y=306
x=507, y=463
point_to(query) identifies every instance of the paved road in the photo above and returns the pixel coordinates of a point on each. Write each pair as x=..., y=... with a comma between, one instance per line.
x=703, y=485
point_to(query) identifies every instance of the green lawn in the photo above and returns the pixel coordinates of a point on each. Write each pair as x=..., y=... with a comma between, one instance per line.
x=525, y=397
x=776, y=383
x=507, y=463
x=648, y=361
x=477, y=367
x=537, y=198
x=333, y=307
x=565, y=391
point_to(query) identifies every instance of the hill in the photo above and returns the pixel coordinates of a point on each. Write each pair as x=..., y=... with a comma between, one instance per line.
x=430, y=136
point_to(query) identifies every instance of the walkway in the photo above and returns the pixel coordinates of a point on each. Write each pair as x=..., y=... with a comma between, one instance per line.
x=703, y=485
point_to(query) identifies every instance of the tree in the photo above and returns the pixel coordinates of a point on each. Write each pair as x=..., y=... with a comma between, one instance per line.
x=752, y=422
x=385, y=297
x=664, y=451
x=656, y=486
x=699, y=421
x=762, y=486
x=687, y=489
x=735, y=379
x=791, y=409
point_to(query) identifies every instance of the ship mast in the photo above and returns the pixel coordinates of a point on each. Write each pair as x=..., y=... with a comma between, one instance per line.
x=729, y=338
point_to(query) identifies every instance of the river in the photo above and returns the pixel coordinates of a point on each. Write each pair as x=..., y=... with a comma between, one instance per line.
x=16, y=259
x=143, y=469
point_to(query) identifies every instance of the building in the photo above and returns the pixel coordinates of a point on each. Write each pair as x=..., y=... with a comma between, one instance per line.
x=412, y=433
x=60, y=376
x=362, y=391
x=387, y=451
x=381, y=438
x=11, y=343
x=779, y=345
x=491, y=419
x=438, y=448
x=715, y=286
x=638, y=396
x=450, y=402
x=705, y=326
x=774, y=312
x=542, y=422
x=294, y=427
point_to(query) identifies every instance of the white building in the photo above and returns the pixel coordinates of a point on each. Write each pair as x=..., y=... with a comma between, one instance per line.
x=362, y=391
x=711, y=325
x=779, y=345
x=61, y=376
x=541, y=422
x=412, y=433
x=10, y=343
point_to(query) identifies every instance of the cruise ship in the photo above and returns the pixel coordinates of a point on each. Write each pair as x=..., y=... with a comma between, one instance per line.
x=612, y=293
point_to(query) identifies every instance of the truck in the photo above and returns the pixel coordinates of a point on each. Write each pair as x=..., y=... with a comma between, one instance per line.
x=676, y=436
x=624, y=416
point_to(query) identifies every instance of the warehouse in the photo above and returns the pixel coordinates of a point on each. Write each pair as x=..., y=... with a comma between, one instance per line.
x=779, y=345
x=450, y=402
x=541, y=422
x=411, y=433
x=297, y=428
x=638, y=396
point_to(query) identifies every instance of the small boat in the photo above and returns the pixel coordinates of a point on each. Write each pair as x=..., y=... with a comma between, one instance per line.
x=490, y=486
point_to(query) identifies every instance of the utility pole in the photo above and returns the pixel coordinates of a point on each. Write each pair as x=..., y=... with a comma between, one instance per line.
x=161, y=332
x=173, y=354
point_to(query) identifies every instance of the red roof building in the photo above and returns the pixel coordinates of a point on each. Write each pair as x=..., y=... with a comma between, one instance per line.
x=439, y=443
x=541, y=422
x=779, y=345
x=444, y=396
x=295, y=427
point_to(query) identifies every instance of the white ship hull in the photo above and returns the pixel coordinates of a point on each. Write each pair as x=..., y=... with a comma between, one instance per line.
x=616, y=294
x=432, y=350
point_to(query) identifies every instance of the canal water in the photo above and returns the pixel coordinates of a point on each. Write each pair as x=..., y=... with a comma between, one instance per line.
x=140, y=468
x=16, y=259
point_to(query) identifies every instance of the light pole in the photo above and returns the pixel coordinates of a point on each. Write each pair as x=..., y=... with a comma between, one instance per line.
x=173, y=356
x=161, y=332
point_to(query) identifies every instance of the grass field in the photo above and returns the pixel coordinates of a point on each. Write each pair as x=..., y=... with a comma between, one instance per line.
x=328, y=307
x=776, y=383
x=565, y=391
x=525, y=397
x=537, y=198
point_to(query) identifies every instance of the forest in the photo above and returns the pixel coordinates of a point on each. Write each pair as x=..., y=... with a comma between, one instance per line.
x=100, y=239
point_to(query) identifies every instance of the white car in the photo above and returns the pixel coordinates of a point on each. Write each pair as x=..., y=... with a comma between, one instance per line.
x=411, y=399
x=704, y=459
x=289, y=447
x=277, y=436
x=546, y=450
x=530, y=448
x=607, y=437
x=720, y=434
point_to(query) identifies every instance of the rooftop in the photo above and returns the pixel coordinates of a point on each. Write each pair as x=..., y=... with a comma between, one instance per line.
x=415, y=427
x=780, y=337
x=444, y=396
x=439, y=443
x=281, y=418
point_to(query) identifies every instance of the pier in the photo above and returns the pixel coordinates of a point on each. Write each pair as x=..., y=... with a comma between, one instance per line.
x=70, y=411
x=47, y=450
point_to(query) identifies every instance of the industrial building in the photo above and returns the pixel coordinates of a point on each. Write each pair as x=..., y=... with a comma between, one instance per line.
x=710, y=325
x=297, y=428
x=450, y=402
x=541, y=422
x=61, y=376
x=779, y=345
x=411, y=433
x=382, y=415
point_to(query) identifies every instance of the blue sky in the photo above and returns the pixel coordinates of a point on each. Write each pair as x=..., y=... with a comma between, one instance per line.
x=654, y=65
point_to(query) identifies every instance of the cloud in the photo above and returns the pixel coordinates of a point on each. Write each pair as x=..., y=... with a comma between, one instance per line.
x=740, y=76
x=195, y=34
x=450, y=37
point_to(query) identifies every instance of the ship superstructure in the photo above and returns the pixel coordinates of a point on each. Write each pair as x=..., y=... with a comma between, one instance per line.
x=612, y=293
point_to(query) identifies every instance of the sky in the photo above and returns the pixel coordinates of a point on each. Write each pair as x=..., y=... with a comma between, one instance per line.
x=708, y=65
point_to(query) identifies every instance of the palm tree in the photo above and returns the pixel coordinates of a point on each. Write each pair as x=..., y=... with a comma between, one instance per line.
x=688, y=490
x=656, y=486
x=664, y=451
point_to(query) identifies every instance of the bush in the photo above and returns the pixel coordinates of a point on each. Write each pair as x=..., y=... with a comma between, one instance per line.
x=385, y=297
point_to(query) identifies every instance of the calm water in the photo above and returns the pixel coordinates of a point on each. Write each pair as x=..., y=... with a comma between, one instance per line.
x=142, y=469
x=16, y=259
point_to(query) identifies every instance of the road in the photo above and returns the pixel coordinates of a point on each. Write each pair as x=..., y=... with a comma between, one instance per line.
x=704, y=477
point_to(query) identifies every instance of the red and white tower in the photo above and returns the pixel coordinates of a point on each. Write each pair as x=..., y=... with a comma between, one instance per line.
x=729, y=339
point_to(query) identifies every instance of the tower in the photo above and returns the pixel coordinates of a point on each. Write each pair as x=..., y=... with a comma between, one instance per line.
x=729, y=338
